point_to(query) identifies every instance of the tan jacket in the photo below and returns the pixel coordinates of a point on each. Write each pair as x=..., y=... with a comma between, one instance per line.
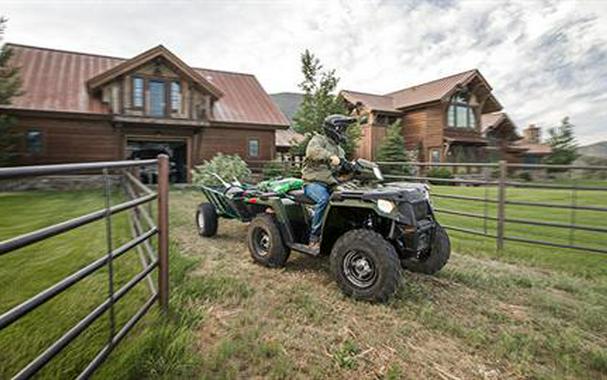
x=317, y=164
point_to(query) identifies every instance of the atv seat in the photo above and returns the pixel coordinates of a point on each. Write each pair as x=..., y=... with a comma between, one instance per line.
x=300, y=197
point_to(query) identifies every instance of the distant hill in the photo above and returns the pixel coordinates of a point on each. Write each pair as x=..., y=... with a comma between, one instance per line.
x=288, y=102
x=594, y=150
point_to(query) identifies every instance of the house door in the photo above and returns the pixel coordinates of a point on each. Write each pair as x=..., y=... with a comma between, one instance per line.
x=157, y=98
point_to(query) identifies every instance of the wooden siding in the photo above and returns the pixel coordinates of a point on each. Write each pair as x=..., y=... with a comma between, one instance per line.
x=230, y=140
x=66, y=141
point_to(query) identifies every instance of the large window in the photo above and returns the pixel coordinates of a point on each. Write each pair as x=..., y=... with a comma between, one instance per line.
x=157, y=98
x=175, y=96
x=138, y=92
x=460, y=113
x=33, y=140
x=253, y=148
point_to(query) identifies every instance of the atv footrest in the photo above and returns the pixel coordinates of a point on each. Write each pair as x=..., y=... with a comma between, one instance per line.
x=304, y=249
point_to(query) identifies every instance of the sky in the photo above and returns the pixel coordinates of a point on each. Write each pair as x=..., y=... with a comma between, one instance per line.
x=544, y=59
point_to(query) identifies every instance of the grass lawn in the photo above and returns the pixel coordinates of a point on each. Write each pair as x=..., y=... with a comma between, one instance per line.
x=524, y=313
x=27, y=271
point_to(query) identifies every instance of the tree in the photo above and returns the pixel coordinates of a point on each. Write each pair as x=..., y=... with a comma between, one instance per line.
x=319, y=101
x=10, y=87
x=563, y=144
x=392, y=149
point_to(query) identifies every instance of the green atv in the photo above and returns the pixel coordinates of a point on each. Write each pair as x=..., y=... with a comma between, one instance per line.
x=370, y=229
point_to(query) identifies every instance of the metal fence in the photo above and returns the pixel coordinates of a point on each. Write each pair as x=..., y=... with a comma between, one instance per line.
x=497, y=176
x=137, y=196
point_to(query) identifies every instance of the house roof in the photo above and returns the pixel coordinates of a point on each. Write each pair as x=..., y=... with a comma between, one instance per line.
x=56, y=80
x=372, y=101
x=436, y=90
x=499, y=120
x=288, y=137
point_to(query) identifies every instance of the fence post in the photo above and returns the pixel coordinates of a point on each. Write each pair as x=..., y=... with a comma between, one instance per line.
x=501, y=206
x=163, y=231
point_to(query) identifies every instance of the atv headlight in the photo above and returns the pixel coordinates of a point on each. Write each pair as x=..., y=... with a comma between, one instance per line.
x=385, y=206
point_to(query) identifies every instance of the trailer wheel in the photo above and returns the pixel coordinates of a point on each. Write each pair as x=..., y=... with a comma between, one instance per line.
x=265, y=242
x=206, y=220
x=435, y=258
x=365, y=265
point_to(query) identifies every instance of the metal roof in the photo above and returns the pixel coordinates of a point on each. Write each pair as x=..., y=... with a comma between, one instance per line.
x=55, y=80
x=413, y=96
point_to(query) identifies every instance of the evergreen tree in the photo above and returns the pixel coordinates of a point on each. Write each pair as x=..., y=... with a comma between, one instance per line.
x=563, y=144
x=10, y=85
x=392, y=149
x=319, y=101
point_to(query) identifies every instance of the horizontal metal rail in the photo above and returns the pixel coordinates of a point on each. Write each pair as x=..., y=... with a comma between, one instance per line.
x=553, y=186
x=464, y=197
x=556, y=205
x=36, y=364
x=466, y=214
x=557, y=167
x=556, y=225
x=447, y=180
x=38, y=170
x=22, y=309
x=556, y=245
x=56, y=229
x=443, y=164
x=468, y=231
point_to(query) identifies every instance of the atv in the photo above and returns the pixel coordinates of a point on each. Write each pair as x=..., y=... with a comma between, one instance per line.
x=371, y=229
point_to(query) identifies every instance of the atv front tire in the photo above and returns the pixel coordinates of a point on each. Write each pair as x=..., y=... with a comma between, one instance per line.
x=365, y=265
x=206, y=220
x=435, y=259
x=265, y=242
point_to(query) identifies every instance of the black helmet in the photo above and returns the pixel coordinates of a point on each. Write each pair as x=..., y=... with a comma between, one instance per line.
x=335, y=127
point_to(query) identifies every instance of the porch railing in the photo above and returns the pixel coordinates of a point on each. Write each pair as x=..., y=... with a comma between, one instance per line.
x=137, y=195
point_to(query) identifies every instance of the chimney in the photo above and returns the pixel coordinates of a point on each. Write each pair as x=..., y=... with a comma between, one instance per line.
x=532, y=134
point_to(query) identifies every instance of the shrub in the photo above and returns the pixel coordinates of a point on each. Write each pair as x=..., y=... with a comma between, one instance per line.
x=439, y=173
x=226, y=166
x=275, y=169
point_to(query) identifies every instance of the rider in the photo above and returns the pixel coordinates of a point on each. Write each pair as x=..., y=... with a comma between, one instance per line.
x=323, y=157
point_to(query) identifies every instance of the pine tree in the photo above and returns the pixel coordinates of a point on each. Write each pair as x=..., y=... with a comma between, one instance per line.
x=392, y=149
x=563, y=144
x=10, y=85
x=319, y=101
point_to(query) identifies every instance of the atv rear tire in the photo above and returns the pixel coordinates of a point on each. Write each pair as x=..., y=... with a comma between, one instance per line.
x=265, y=242
x=436, y=258
x=365, y=265
x=206, y=220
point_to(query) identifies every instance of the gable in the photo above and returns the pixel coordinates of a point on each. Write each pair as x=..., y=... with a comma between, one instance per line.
x=155, y=56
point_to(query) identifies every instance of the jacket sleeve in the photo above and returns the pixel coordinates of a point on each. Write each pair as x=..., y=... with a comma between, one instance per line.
x=316, y=150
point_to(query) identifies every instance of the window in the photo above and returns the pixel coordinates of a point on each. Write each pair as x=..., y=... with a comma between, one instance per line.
x=175, y=96
x=34, y=141
x=434, y=155
x=460, y=113
x=138, y=92
x=253, y=148
x=157, y=98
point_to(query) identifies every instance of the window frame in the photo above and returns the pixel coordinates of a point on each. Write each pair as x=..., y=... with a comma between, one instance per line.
x=456, y=102
x=249, y=141
x=143, y=83
x=180, y=93
x=165, y=96
x=41, y=148
x=430, y=155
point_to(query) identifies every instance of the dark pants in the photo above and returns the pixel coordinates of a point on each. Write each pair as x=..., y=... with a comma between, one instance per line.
x=319, y=193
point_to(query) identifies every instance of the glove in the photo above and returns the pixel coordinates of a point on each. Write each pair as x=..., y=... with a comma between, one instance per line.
x=335, y=161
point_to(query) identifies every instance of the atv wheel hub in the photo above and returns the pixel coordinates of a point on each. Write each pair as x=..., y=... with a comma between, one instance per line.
x=359, y=269
x=262, y=242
